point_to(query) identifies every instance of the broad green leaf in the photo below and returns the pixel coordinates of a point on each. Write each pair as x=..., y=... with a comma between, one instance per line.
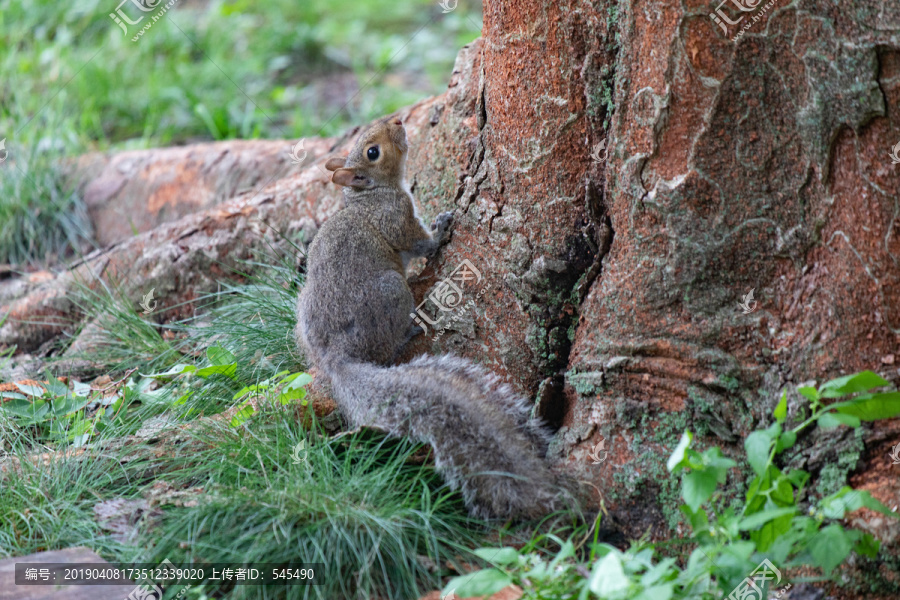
x=608, y=577
x=810, y=393
x=499, y=556
x=697, y=487
x=30, y=390
x=678, y=454
x=657, y=592
x=226, y=370
x=867, y=545
x=830, y=420
x=830, y=547
x=55, y=386
x=873, y=407
x=852, y=384
x=758, y=445
x=12, y=395
x=35, y=411
x=698, y=519
x=780, y=412
x=785, y=440
x=298, y=380
x=240, y=417
x=218, y=355
x=656, y=572
x=763, y=517
x=798, y=477
x=479, y=583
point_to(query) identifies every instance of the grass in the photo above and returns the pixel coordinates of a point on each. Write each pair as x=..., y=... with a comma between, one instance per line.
x=207, y=70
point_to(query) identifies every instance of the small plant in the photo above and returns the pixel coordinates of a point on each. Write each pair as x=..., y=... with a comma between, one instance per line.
x=771, y=526
x=58, y=413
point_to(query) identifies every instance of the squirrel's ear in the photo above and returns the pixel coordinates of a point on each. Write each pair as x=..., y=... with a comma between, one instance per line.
x=349, y=178
x=335, y=163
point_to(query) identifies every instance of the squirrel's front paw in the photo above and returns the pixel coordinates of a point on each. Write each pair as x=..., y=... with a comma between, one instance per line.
x=441, y=226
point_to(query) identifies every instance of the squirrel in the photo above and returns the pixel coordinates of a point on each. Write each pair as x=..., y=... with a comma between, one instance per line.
x=354, y=315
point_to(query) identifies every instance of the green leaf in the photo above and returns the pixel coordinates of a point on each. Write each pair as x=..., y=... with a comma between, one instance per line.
x=798, y=477
x=30, y=390
x=810, y=393
x=55, y=386
x=785, y=440
x=698, y=520
x=33, y=411
x=830, y=547
x=761, y=518
x=656, y=572
x=240, y=417
x=608, y=577
x=176, y=370
x=657, y=592
x=872, y=407
x=499, y=556
x=479, y=583
x=867, y=545
x=852, y=384
x=697, y=487
x=226, y=370
x=830, y=420
x=298, y=380
x=758, y=445
x=780, y=412
x=12, y=395
x=678, y=454
x=218, y=355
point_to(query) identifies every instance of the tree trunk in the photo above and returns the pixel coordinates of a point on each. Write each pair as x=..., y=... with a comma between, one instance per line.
x=609, y=288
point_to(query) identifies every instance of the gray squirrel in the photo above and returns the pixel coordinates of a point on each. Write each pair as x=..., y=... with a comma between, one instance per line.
x=353, y=319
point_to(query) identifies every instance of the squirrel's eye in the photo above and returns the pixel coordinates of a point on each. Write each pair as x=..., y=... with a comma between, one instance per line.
x=373, y=153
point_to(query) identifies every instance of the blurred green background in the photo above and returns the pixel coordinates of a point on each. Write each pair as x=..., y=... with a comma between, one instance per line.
x=72, y=81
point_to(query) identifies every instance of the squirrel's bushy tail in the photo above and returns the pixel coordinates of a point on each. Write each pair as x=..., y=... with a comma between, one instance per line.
x=483, y=439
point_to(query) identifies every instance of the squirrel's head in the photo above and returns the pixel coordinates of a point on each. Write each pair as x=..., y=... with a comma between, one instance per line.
x=377, y=159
